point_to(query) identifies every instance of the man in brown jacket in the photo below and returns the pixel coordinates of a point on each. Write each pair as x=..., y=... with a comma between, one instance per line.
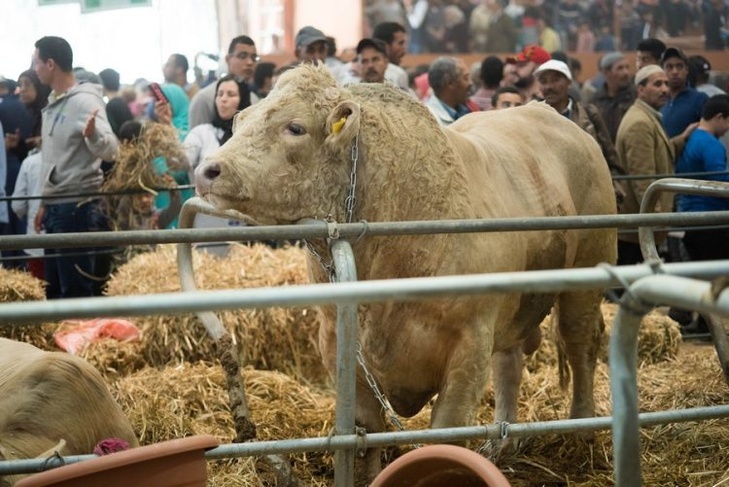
x=644, y=148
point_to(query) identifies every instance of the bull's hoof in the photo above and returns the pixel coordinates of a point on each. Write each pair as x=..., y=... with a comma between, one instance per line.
x=498, y=450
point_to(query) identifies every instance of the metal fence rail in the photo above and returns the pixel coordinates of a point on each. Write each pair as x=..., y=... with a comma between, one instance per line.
x=349, y=292
x=357, y=442
x=320, y=229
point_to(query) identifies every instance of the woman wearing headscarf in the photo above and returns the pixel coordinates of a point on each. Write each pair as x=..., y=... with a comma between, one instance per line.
x=34, y=96
x=231, y=97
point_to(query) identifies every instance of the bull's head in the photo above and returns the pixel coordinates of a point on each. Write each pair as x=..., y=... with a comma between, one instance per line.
x=289, y=157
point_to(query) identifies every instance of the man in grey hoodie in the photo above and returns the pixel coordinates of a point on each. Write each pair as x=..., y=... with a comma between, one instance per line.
x=76, y=136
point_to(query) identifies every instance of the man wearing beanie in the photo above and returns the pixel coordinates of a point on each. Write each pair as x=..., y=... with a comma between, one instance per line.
x=617, y=93
x=644, y=148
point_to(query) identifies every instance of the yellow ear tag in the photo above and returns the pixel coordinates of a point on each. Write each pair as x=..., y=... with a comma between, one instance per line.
x=337, y=126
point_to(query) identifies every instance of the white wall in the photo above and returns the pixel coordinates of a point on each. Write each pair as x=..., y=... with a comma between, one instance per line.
x=134, y=41
x=341, y=19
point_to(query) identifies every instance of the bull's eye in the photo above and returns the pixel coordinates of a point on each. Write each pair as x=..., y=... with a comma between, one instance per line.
x=296, y=129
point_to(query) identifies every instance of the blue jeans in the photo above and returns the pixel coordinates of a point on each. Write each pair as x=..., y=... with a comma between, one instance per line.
x=68, y=276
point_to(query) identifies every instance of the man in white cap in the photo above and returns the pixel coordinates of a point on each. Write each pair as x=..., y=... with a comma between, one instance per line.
x=644, y=148
x=555, y=79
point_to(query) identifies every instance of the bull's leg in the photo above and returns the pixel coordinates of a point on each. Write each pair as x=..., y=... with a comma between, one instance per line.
x=507, y=377
x=463, y=387
x=508, y=366
x=580, y=327
x=368, y=415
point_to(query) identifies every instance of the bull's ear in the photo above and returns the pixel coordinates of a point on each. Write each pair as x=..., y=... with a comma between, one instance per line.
x=343, y=123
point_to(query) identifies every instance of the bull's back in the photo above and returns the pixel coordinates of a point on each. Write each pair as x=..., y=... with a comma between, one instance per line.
x=531, y=161
x=534, y=151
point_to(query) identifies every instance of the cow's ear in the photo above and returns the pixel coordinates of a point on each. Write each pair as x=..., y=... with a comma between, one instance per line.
x=343, y=123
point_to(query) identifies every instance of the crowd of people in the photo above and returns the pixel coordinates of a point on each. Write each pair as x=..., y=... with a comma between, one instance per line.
x=459, y=26
x=66, y=127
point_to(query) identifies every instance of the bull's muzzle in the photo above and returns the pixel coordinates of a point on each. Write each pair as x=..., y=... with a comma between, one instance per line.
x=205, y=174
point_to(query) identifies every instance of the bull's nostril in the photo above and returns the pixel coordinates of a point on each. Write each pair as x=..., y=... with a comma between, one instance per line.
x=212, y=171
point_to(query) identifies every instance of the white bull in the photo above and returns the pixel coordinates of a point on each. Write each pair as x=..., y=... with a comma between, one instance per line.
x=290, y=158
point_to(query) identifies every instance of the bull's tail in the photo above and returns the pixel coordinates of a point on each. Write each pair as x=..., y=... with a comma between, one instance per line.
x=563, y=365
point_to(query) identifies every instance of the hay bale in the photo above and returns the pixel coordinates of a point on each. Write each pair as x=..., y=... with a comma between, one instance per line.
x=191, y=399
x=659, y=338
x=283, y=339
x=134, y=170
x=114, y=358
x=670, y=454
x=18, y=286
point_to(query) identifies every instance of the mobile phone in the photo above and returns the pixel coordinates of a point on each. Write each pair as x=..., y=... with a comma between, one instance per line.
x=157, y=92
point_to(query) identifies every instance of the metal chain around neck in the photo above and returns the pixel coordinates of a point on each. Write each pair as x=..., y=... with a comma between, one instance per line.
x=351, y=198
x=327, y=266
x=349, y=204
x=384, y=403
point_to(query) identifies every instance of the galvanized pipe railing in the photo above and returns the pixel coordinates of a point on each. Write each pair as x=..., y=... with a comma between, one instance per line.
x=355, y=230
x=444, y=435
x=410, y=289
x=638, y=300
x=345, y=271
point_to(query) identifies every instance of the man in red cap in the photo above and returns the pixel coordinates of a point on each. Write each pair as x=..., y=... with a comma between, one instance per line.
x=525, y=63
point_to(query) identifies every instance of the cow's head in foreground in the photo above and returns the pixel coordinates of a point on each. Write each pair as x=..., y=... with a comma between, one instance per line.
x=293, y=155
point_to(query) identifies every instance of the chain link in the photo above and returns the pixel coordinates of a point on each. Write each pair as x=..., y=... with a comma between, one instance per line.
x=327, y=266
x=384, y=403
x=351, y=198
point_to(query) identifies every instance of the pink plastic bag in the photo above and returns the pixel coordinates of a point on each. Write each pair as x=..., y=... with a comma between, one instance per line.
x=80, y=334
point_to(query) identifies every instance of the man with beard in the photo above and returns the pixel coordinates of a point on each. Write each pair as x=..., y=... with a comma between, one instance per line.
x=531, y=57
x=395, y=38
x=644, y=148
x=555, y=79
x=685, y=104
x=617, y=94
x=372, y=57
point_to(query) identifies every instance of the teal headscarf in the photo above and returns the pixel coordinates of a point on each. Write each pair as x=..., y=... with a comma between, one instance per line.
x=179, y=104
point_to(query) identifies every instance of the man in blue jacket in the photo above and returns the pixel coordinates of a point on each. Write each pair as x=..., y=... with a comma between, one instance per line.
x=685, y=103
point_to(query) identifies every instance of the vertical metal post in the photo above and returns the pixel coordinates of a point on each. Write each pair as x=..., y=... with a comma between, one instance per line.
x=346, y=271
x=623, y=355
